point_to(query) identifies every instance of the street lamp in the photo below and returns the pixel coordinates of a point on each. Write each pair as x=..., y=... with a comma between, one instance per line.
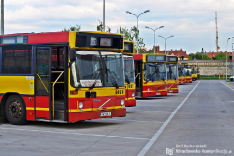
x=128, y=12
x=2, y=17
x=165, y=40
x=104, y=23
x=226, y=57
x=154, y=33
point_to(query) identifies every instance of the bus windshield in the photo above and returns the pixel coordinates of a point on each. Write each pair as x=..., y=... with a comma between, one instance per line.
x=188, y=72
x=154, y=72
x=172, y=71
x=97, y=69
x=129, y=69
x=193, y=71
x=181, y=72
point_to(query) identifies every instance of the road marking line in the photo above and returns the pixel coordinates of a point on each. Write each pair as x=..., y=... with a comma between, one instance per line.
x=152, y=111
x=155, y=106
x=132, y=120
x=156, y=135
x=71, y=133
x=227, y=86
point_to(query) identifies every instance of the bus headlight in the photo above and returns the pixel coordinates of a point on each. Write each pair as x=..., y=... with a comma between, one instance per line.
x=133, y=94
x=166, y=88
x=122, y=102
x=81, y=105
x=177, y=86
x=148, y=89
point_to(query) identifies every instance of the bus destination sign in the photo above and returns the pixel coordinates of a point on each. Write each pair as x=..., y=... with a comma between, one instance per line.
x=172, y=59
x=154, y=58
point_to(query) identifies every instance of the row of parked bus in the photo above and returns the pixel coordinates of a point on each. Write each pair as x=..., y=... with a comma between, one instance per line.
x=79, y=75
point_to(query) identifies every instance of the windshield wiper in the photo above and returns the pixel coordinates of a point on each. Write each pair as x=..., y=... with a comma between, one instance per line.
x=157, y=73
x=171, y=73
x=95, y=78
x=112, y=78
x=127, y=79
x=107, y=72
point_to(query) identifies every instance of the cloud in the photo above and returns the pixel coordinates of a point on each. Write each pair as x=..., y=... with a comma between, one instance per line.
x=191, y=21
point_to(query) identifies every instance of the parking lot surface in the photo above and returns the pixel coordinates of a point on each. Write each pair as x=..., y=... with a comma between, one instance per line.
x=199, y=118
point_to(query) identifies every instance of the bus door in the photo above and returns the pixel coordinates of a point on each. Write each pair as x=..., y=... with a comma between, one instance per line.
x=42, y=78
x=138, y=77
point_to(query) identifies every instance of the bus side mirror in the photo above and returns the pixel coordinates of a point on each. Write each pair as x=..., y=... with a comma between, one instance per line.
x=72, y=55
x=73, y=69
x=145, y=67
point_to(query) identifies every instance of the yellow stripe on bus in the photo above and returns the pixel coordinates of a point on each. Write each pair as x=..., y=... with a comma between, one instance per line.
x=129, y=98
x=37, y=108
x=94, y=109
x=77, y=110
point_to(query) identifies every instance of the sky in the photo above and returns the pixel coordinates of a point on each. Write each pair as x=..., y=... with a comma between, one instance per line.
x=192, y=22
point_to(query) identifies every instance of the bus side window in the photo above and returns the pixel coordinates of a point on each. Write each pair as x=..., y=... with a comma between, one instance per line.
x=17, y=59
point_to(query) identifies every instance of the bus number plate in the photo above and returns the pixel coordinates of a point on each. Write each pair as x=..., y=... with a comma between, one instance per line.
x=158, y=93
x=105, y=114
x=170, y=91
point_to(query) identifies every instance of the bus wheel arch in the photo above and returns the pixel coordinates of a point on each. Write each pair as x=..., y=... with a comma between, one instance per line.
x=15, y=108
x=2, y=107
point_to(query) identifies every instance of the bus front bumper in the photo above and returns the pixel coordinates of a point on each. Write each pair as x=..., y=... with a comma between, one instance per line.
x=79, y=116
x=130, y=102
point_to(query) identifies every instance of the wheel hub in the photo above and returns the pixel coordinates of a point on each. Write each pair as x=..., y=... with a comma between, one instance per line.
x=15, y=109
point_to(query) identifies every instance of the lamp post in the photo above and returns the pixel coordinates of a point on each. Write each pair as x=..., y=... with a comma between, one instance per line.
x=2, y=17
x=226, y=57
x=154, y=33
x=104, y=16
x=165, y=40
x=232, y=59
x=137, y=24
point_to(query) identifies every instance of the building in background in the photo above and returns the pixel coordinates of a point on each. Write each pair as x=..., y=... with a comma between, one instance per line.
x=180, y=53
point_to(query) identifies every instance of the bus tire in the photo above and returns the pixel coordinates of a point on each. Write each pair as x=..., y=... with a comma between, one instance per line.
x=15, y=110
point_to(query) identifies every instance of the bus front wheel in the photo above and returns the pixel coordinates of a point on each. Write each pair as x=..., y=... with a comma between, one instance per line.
x=15, y=110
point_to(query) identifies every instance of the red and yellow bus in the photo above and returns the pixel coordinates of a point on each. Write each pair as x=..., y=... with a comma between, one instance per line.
x=194, y=72
x=182, y=75
x=150, y=75
x=129, y=71
x=172, y=74
x=61, y=76
x=188, y=74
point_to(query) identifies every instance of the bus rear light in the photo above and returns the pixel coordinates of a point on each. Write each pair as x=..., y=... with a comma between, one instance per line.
x=74, y=92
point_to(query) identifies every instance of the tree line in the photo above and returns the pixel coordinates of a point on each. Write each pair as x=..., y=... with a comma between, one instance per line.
x=131, y=35
x=202, y=56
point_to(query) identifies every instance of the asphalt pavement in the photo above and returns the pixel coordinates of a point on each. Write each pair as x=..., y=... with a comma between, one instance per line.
x=196, y=121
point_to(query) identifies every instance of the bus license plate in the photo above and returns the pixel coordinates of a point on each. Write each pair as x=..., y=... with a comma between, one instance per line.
x=105, y=114
x=158, y=93
x=170, y=91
